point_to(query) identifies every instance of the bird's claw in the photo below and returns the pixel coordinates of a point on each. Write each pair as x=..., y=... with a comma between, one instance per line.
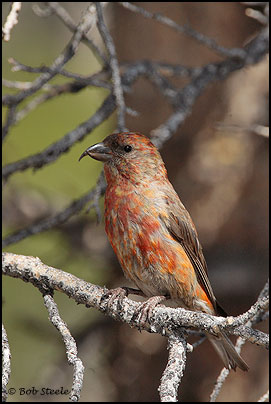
x=144, y=311
x=114, y=294
x=119, y=294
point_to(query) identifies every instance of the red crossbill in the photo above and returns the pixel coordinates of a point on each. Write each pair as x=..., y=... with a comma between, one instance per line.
x=152, y=233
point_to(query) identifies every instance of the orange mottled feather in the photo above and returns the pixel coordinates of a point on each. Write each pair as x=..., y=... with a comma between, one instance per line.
x=152, y=233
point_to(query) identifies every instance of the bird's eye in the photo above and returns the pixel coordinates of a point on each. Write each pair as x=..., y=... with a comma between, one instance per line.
x=127, y=148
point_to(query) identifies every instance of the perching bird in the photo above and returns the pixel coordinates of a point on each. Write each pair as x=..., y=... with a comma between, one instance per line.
x=152, y=233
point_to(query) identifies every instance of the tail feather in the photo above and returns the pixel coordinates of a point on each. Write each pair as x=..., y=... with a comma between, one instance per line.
x=226, y=350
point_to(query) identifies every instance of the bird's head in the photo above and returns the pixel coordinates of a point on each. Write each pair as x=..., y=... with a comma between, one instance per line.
x=128, y=154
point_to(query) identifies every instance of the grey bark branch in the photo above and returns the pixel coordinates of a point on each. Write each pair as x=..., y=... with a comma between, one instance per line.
x=174, y=371
x=86, y=22
x=5, y=364
x=32, y=270
x=12, y=20
x=114, y=65
x=166, y=321
x=61, y=217
x=204, y=40
x=64, y=16
x=70, y=344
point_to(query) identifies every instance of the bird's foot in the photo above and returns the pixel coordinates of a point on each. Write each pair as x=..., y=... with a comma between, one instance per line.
x=144, y=311
x=119, y=294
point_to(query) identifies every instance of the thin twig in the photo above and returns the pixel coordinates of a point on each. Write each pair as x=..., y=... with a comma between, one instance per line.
x=5, y=364
x=50, y=222
x=20, y=85
x=186, y=97
x=255, y=51
x=199, y=342
x=56, y=91
x=12, y=20
x=254, y=128
x=86, y=22
x=210, y=43
x=70, y=344
x=10, y=120
x=162, y=83
x=219, y=383
x=42, y=12
x=114, y=65
x=57, y=149
x=64, y=16
x=261, y=16
x=225, y=372
x=261, y=305
x=264, y=398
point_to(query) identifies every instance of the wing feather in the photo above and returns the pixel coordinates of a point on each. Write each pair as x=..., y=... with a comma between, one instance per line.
x=183, y=230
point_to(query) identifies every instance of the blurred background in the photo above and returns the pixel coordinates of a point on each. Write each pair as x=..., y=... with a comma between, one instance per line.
x=220, y=173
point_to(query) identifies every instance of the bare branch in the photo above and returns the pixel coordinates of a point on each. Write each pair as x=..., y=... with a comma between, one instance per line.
x=86, y=22
x=19, y=85
x=32, y=270
x=70, y=344
x=219, y=384
x=185, y=98
x=210, y=43
x=255, y=51
x=54, y=151
x=5, y=364
x=64, y=16
x=63, y=145
x=199, y=342
x=10, y=120
x=61, y=217
x=118, y=79
x=114, y=65
x=164, y=320
x=42, y=12
x=261, y=16
x=257, y=129
x=52, y=92
x=260, y=306
x=12, y=20
x=174, y=371
x=264, y=398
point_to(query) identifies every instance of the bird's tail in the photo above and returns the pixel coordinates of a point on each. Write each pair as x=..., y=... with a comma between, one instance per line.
x=226, y=350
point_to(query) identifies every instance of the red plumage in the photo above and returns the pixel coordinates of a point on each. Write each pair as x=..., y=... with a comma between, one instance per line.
x=152, y=233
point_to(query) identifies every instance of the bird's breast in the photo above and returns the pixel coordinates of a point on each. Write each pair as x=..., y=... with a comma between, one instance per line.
x=148, y=254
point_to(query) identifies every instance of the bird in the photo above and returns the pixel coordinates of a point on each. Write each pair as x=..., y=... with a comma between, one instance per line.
x=153, y=235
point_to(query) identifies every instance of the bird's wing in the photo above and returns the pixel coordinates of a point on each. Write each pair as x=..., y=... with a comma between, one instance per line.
x=182, y=229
